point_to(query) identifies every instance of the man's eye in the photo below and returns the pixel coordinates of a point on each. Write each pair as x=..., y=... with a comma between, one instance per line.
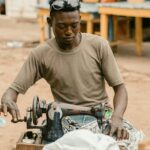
x=74, y=25
x=61, y=26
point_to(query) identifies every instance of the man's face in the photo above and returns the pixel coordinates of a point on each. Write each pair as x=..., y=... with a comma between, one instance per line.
x=66, y=27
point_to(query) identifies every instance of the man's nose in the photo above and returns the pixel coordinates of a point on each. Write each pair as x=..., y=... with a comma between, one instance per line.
x=68, y=30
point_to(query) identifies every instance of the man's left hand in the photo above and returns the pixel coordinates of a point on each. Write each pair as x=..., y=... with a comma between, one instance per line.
x=117, y=129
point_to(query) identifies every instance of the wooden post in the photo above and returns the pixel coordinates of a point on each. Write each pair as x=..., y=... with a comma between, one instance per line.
x=115, y=24
x=42, y=28
x=128, y=28
x=89, y=26
x=88, y=18
x=104, y=26
x=138, y=35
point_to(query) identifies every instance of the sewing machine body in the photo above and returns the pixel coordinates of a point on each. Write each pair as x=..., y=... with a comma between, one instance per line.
x=50, y=130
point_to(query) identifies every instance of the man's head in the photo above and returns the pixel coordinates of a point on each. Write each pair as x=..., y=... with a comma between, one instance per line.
x=65, y=21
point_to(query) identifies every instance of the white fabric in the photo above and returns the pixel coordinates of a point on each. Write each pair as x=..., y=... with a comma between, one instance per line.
x=83, y=139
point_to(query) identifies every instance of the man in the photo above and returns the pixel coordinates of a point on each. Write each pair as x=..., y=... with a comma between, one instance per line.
x=75, y=65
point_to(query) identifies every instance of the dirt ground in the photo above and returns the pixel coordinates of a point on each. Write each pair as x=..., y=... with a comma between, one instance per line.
x=135, y=71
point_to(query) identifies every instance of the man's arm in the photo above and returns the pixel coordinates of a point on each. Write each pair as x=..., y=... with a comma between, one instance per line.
x=30, y=72
x=120, y=103
x=8, y=103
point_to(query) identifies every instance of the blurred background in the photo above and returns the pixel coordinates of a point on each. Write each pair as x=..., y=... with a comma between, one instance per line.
x=23, y=26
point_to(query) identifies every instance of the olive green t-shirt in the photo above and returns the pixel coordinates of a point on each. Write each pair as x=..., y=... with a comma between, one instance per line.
x=75, y=77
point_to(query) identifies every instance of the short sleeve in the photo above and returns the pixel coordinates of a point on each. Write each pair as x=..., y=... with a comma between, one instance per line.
x=28, y=75
x=110, y=67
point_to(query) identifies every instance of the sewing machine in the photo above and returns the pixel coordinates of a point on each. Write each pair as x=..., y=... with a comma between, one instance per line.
x=51, y=128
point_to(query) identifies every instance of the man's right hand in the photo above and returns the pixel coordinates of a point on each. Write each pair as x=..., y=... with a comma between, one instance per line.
x=8, y=104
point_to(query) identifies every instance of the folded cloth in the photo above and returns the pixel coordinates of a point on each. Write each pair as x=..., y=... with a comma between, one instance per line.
x=83, y=139
x=70, y=123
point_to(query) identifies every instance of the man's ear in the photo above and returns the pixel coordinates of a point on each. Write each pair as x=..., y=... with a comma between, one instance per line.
x=49, y=21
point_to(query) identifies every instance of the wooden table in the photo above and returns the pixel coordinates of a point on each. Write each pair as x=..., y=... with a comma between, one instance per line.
x=138, y=11
x=86, y=12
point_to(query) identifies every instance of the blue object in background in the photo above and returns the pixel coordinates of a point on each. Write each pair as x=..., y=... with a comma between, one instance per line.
x=110, y=28
x=2, y=122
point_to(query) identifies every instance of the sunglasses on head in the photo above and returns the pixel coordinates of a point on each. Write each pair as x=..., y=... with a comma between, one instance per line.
x=61, y=4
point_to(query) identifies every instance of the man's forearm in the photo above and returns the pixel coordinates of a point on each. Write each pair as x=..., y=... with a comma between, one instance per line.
x=120, y=104
x=120, y=100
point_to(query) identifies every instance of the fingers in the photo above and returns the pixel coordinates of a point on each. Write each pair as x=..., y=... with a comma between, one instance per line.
x=125, y=134
x=15, y=113
x=4, y=108
x=13, y=110
x=112, y=130
x=18, y=115
x=14, y=116
x=119, y=132
x=122, y=134
x=8, y=102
